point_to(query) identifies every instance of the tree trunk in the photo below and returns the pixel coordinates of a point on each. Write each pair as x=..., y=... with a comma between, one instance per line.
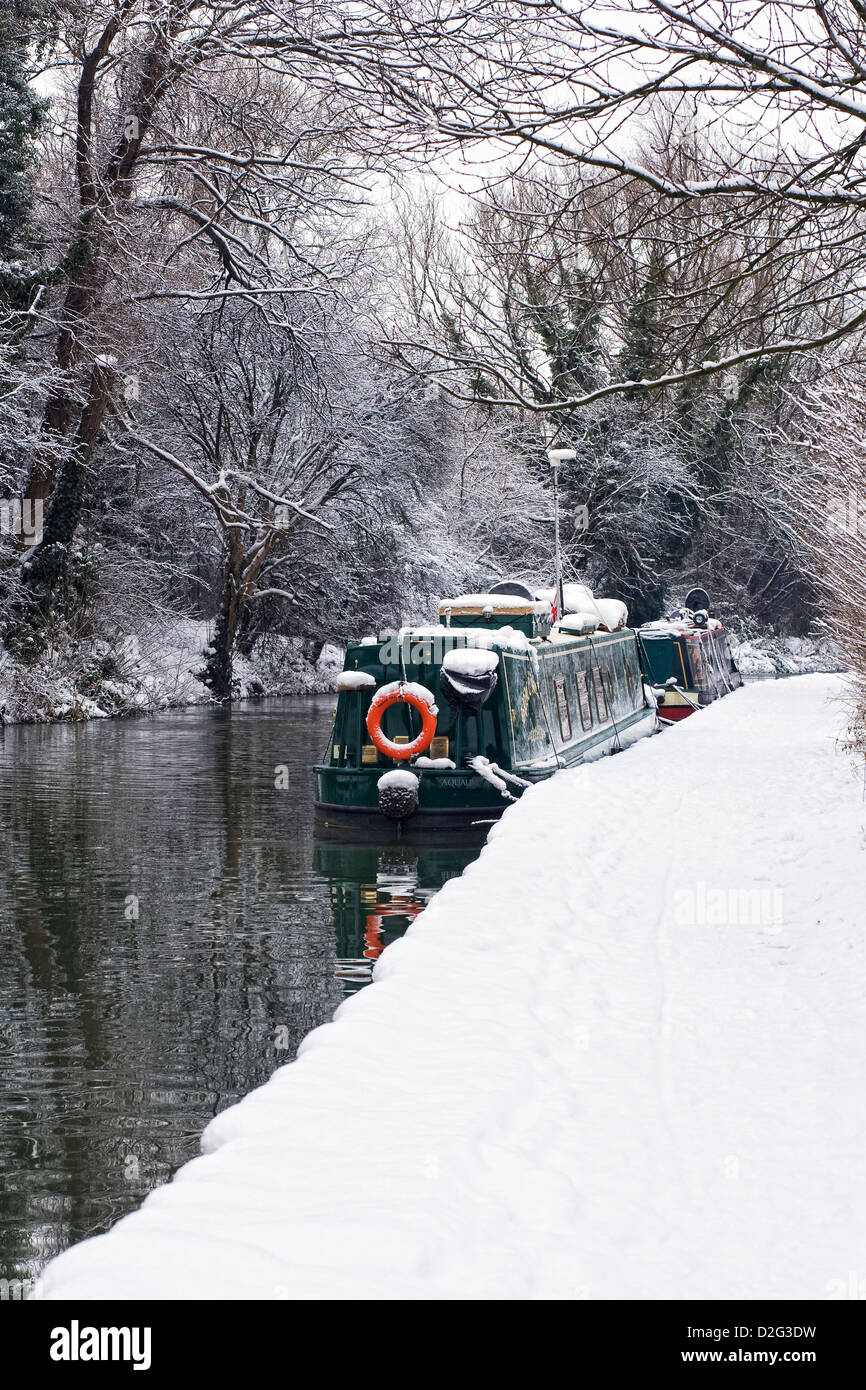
x=81, y=297
x=220, y=659
x=45, y=573
x=101, y=195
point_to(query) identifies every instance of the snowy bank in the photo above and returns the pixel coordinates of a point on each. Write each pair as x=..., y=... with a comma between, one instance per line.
x=139, y=673
x=762, y=657
x=622, y=1056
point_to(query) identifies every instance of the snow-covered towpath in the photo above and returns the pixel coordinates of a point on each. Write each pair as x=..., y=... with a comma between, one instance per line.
x=623, y=1056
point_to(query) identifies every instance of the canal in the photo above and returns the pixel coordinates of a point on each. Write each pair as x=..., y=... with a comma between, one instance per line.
x=170, y=930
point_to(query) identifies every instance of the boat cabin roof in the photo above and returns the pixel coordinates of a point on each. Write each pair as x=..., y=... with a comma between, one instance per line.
x=479, y=605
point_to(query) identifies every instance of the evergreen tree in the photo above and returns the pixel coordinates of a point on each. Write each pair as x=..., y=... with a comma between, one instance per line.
x=22, y=113
x=642, y=356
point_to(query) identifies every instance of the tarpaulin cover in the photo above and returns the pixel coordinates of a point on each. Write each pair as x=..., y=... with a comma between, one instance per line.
x=466, y=694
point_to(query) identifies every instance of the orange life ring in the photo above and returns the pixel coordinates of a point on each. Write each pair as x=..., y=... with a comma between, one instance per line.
x=401, y=751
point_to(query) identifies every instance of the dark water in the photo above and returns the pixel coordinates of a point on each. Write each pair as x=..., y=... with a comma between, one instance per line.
x=169, y=932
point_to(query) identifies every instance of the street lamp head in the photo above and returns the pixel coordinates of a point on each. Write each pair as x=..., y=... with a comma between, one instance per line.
x=558, y=456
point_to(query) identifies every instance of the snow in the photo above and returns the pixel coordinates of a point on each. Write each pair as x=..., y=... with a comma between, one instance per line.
x=398, y=778
x=404, y=688
x=675, y=626
x=576, y=624
x=331, y=659
x=435, y=764
x=158, y=668
x=485, y=769
x=355, y=680
x=622, y=1056
x=576, y=598
x=510, y=602
x=785, y=656
x=751, y=661
x=614, y=613
x=470, y=661
x=496, y=776
x=505, y=639
x=611, y=613
x=419, y=630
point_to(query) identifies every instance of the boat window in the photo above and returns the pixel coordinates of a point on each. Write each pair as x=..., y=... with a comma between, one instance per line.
x=439, y=747
x=562, y=708
x=630, y=680
x=698, y=664
x=608, y=685
x=584, y=704
x=369, y=753
x=600, y=697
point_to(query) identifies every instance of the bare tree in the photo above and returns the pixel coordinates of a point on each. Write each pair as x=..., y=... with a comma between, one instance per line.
x=247, y=423
x=535, y=289
x=182, y=138
x=774, y=90
x=817, y=471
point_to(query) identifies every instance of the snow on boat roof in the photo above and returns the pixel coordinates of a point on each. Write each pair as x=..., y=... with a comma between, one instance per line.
x=355, y=680
x=470, y=661
x=679, y=627
x=576, y=598
x=499, y=603
x=490, y=639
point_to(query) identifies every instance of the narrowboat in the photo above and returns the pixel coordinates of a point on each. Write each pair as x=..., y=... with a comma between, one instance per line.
x=439, y=728
x=687, y=659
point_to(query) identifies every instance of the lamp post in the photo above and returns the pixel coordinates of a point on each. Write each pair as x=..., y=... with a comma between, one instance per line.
x=557, y=457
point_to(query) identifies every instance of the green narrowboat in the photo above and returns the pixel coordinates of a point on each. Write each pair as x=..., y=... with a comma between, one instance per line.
x=438, y=728
x=687, y=660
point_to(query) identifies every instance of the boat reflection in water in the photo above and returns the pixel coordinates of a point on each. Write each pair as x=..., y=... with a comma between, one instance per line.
x=376, y=893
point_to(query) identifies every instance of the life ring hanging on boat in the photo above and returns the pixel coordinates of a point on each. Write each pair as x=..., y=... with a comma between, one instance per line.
x=399, y=693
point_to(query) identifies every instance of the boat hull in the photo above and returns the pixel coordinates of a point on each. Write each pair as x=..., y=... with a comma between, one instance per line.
x=363, y=824
x=457, y=802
